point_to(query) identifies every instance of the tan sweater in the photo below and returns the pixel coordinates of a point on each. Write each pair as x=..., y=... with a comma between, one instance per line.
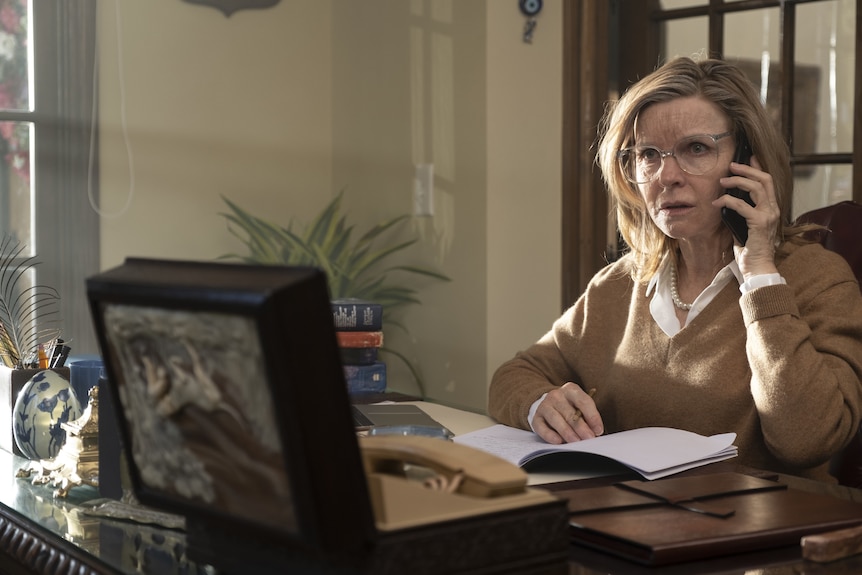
x=780, y=366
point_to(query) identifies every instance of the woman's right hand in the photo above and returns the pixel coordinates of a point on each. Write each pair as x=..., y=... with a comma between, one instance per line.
x=567, y=414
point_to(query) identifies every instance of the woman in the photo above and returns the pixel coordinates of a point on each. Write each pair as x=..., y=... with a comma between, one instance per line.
x=691, y=329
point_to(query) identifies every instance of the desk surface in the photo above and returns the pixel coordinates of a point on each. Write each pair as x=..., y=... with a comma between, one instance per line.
x=586, y=562
x=46, y=535
x=43, y=535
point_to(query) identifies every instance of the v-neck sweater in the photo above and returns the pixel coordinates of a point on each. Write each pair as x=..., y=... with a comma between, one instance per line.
x=781, y=366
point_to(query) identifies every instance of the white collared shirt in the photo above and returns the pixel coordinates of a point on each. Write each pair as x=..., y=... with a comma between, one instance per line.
x=663, y=310
x=661, y=305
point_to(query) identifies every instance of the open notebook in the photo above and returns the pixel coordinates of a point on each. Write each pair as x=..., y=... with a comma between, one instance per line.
x=653, y=452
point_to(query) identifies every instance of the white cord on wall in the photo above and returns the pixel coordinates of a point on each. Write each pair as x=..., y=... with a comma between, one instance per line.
x=124, y=126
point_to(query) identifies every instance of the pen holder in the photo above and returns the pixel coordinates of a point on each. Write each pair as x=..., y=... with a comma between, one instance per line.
x=84, y=374
x=11, y=382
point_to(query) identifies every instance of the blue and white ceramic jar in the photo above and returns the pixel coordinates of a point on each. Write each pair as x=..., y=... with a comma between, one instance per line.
x=45, y=401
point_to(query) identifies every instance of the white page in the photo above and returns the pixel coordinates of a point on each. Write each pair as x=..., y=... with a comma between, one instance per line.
x=651, y=451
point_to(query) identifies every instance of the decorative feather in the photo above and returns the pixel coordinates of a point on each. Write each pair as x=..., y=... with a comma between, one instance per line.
x=29, y=313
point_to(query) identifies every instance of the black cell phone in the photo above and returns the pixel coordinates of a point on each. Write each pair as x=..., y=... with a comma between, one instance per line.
x=736, y=223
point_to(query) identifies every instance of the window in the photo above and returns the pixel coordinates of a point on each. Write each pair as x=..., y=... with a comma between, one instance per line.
x=802, y=53
x=48, y=167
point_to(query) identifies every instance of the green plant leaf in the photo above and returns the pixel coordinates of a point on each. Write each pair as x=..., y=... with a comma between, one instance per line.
x=421, y=271
x=370, y=259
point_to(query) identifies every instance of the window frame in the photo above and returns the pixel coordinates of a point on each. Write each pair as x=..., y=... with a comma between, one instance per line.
x=594, y=32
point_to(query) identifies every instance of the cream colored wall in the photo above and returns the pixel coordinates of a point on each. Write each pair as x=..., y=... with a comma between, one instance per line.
x=282, y=108
x=214, y=106
x=524, y=178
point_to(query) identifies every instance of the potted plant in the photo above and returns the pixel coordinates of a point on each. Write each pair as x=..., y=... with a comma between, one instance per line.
x=354, y=268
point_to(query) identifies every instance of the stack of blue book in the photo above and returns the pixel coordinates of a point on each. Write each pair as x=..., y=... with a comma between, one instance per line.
x=359, y=328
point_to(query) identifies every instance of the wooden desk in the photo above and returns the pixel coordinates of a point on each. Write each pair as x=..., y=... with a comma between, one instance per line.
x=785, y=561
x=780, y=561
x=43, y=536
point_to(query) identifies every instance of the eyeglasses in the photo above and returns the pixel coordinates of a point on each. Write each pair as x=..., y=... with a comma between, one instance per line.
x=696, y=155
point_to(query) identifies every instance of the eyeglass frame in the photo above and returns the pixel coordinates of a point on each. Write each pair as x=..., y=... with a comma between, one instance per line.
x=668, y=153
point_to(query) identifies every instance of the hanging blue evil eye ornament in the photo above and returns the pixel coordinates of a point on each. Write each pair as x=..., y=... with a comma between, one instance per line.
x=530, y=9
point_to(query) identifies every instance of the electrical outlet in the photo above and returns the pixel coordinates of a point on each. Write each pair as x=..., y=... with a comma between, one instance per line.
x=423, y=190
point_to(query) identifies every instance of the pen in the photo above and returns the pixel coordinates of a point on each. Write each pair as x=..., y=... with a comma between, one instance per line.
x=64, y=354
x=577, y=415
x=55, y=353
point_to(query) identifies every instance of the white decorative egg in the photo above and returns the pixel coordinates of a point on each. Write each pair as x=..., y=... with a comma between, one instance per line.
x=45, y=401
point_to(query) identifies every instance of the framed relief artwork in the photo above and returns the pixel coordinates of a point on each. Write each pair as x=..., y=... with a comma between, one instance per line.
x=231, y=402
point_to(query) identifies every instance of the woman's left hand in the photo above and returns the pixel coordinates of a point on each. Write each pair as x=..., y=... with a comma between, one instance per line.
x=757, y=256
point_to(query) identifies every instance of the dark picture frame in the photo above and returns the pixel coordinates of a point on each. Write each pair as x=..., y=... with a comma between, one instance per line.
x=232, y=404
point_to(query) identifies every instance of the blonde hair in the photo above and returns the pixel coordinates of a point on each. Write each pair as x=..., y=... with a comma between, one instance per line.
x=726, y=86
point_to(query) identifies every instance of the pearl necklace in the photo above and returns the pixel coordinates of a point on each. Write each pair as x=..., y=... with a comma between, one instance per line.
x=674, y=291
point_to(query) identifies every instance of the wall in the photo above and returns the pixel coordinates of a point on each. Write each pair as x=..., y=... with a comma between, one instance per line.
x=280, y=109
x=524, y=178
x=213, y=106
